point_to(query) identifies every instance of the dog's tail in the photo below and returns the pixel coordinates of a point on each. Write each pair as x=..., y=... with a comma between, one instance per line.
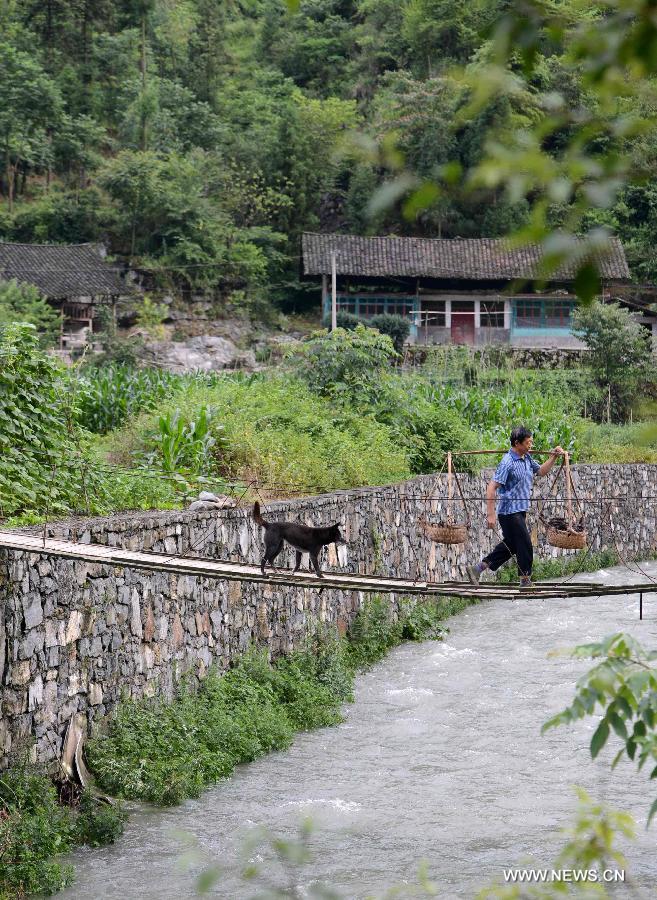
x=256, y=515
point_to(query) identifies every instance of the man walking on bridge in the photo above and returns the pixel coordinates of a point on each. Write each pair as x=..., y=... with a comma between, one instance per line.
x=513, y=481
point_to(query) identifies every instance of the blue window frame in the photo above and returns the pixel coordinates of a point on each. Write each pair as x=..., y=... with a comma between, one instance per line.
x=540, y=313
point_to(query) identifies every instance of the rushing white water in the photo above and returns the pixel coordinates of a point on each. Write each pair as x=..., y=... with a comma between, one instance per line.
x=440, y=759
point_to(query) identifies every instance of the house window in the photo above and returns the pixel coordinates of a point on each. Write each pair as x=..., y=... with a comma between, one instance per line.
x=463, y=306
x=528, y=313
x=399, y=307
x=433, y=313
x=558, y=313
x=371, y=307
x=492, y=313
x=544, y=313
x=346, y=304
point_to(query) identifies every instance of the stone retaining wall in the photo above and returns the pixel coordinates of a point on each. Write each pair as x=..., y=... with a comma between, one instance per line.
x=75, y=636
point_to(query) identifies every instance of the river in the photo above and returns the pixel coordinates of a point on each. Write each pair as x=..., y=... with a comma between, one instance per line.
x=440, y=759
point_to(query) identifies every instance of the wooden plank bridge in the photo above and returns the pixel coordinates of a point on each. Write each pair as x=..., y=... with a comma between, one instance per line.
x=205, y=567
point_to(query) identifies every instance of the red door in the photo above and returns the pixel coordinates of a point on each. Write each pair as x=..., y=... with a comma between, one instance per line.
x=463, y=329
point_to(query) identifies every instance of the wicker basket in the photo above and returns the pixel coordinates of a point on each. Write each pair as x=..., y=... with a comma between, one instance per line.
x=566, y=540
x=446, y=534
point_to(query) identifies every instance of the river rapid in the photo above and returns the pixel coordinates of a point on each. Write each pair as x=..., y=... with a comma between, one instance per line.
x=440, y=759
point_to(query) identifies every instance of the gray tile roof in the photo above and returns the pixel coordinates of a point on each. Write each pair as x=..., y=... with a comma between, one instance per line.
x=475, y=259
x=61, y=270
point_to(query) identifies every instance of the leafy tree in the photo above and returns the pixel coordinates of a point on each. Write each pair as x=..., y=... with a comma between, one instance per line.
x=31, y=104
x=396, y=327
x=24, y=303
x=620, y=350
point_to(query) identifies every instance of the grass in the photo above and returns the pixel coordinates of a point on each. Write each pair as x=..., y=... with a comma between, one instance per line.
x=273, y=429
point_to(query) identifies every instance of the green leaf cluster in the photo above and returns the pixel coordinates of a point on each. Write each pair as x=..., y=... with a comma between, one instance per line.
x=623, y=687
x=35, y=829
x=46, y=463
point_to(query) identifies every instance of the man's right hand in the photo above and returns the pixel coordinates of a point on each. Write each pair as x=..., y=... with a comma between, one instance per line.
x=490, y=521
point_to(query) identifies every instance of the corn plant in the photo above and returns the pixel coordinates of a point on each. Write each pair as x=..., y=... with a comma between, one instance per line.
x=108, y=396
x=182, y=445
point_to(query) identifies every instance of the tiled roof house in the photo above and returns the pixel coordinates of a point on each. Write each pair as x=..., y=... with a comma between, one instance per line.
x=457, y=290
x=72, y=277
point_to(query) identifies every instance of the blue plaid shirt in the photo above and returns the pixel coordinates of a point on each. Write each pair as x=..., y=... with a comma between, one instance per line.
x=515, y=474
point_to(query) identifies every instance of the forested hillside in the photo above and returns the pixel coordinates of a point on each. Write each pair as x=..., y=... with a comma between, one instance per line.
x=200, y=137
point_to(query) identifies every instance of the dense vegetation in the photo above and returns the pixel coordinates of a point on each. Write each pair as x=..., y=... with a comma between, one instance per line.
x=35, y=829
x=336, y=414
x=201, y=137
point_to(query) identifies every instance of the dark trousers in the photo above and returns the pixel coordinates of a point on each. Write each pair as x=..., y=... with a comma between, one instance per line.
x=516, y=541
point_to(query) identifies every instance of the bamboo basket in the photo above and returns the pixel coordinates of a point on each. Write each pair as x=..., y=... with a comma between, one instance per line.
x=445, y=534
x=568, y=538
x=448, y=532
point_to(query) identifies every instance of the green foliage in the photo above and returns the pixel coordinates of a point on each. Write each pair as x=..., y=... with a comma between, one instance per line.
x=98, y=823
x=109, y=395
x=623, y=684
x=423, y=423
x=347, y=321
x=273, y=428
x=151, y=315
x=24, y=303
x=560, y=566
x=46, y=464
x=620, y=351
x=31, y=106
x=184, y=445
x=396, y=327
x=35, y=829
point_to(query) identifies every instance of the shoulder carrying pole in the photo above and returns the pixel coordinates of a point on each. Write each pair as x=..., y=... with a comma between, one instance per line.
x=449, y=486
x=569, y=501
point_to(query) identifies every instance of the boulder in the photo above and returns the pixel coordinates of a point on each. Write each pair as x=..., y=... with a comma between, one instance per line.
x=206, y=353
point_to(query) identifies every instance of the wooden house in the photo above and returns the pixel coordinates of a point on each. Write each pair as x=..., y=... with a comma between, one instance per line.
x=73, y=278
x=462, y=291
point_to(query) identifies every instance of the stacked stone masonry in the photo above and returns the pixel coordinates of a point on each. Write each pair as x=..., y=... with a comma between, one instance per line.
x=77, y=637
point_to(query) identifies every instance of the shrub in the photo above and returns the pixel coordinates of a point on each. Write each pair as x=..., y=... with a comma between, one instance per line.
x=151, y=316
x=345, y=320
x=396, y=327
x=35, y=829
x=345, y=365
x=620, y=351
x=98, y=823
x=423, y=423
